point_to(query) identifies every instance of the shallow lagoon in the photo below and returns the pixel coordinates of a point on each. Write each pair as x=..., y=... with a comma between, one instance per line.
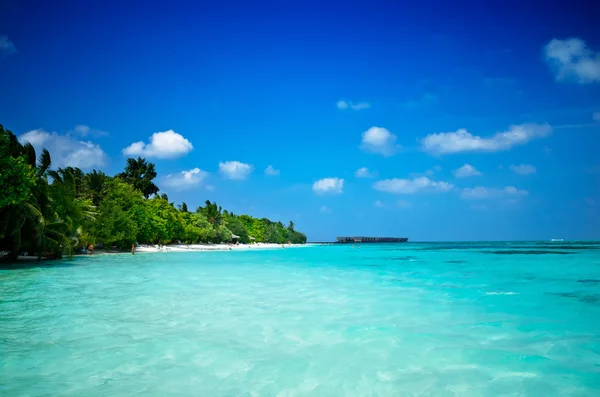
x=444, y=319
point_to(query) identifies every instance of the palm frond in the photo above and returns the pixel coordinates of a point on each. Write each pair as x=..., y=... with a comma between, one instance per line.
x=29, y=152
x=44, y=162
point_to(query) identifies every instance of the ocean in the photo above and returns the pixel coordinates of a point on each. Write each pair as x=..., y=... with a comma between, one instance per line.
x=412, y=319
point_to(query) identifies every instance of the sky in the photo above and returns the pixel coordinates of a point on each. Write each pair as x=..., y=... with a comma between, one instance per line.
x=426, y=120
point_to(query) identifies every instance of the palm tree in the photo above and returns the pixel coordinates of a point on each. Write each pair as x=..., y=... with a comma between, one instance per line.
x=33, y=225
x=212, y=212
x=140, y=174
x=69, y=201
x=95, y=186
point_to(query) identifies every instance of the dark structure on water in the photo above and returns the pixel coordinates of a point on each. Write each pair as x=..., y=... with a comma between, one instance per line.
x=357, y=240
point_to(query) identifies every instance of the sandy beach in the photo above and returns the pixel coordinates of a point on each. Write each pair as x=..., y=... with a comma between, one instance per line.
x=213, y=247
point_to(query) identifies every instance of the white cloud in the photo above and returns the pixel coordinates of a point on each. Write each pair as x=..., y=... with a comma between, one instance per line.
x=463, y=141
x=185, y=179
x=364, y=172
x=235, y=169
x=343, y=105
x=65, y=150
x=480, y=192
x=466, y=171
x=404, y=204
x=410, y=186
x=596, y=116
x=82, y=130
x=328, y=186
x=572, y=60
x=163, y=145
x=523, y=169
x=85, y=130
x=379, y=140
x=378, y=204
x=325, y=209
x=271, y=171
x=6, y=46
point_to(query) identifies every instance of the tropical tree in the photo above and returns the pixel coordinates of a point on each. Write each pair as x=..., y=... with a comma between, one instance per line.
x=31, y=223
x=17, y=179
x=95, y=186
x=212, y=212
x=140, y=174
x=235, y=225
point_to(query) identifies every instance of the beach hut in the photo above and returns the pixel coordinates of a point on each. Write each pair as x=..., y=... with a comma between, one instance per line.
x=251, y=239
x=234, y=238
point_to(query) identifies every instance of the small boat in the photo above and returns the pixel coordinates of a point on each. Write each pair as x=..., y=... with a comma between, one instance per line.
x=556, y=239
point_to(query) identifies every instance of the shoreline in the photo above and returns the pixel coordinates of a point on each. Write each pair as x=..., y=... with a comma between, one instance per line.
x=212, y=247
x=149, y=249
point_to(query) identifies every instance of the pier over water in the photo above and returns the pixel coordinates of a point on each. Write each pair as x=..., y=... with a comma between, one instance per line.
x=355, y=240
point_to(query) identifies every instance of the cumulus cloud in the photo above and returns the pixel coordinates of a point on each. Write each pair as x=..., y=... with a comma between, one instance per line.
x=411, y=186
x=271, y=171
x=185, y=179
x=85, y=130
x=325, y=209
x=466, y=171
x=523, y=169
x=379, y=140
x=480, y=192
x=235, y=169
x=6, y=46
x=328, y=186
x=163, y=145
x=343, y=105
x=363, y=172
x=463, y=141
x=572, y=61
x=65, y=150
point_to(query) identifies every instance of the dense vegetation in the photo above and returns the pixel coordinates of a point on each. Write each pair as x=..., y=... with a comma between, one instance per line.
x=52, y=213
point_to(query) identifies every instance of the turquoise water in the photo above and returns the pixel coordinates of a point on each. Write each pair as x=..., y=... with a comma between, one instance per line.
x=453, y=319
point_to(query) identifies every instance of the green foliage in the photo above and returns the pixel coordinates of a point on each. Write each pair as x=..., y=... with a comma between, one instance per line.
x=273, y=234
x=235, y=225
x=51, y=213
x=140, y=174
x=212, y=212
x=223, y=234
x=17, y=178
x=95, y=185
x=117, y=224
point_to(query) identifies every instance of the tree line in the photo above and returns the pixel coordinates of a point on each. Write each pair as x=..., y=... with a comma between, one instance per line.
x=52, y=213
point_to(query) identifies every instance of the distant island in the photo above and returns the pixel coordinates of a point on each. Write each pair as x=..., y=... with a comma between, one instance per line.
x=51, y=213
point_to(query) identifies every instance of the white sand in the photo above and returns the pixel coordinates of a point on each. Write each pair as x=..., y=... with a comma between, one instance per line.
x=213, y=247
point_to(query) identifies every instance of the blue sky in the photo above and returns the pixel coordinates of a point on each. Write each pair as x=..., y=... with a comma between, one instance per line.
x=425, y=120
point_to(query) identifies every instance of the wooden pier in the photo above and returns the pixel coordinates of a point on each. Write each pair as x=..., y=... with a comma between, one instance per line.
x=358, y=240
